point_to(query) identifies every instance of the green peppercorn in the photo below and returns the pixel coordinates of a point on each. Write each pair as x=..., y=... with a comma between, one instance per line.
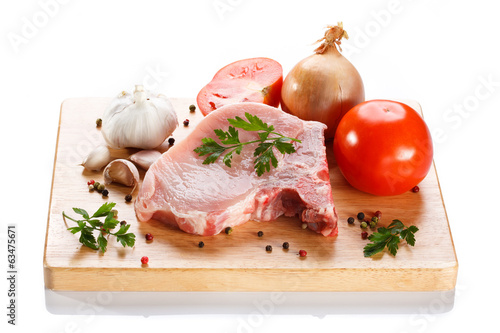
x=192, y=108
x=361, y=216
x=98, y=122
x=373, y=224
x=91, y=188
x=269, y=248
x=260, y=233
x=228, y=230
x=114, y=211
x=375, y=219
x=286, y=245
x=100, y=188
x=364, y=225
x=96, y=185
x=350, y=220
x=128, y=198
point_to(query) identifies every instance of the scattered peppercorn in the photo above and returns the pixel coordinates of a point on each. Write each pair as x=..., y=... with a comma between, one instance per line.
x=186, y=122
x=96, y=185
x=364, y=235
x=92, y=182
x=228, y=230
x=123, y=222
x=91, y=187
x=115, y=212
x=105, y=193
x=144, y=260
x=201, y=244
x=304, y=225
x=149, y=237
x=378, y=214
x=100, y=188
x=128, y=198
x=171, y=141
x=415, y=189
x=98, y=122
x=350, y=220
x=361, y=216
x=269, y=248
x=302, y=253
x=374, y=219
x=364, y=225
x=192, y=108
x=373, y=224
x=286, y=245
x=260, y=233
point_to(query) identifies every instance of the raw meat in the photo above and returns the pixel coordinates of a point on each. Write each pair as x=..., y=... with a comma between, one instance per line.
x=205, y=199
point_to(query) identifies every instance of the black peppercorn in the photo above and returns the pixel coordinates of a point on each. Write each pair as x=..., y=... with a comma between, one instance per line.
x=350, y=220
x=286, y=245
x=269, y=248
x=361, y=216
x=201, y=244
x=260, y=234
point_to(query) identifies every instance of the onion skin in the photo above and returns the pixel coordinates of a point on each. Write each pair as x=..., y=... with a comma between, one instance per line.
x=322, y=87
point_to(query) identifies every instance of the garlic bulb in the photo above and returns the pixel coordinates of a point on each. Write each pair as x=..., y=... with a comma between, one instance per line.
x=97, y=158
x=139, y=120
x=145, y=158
x=121, y=171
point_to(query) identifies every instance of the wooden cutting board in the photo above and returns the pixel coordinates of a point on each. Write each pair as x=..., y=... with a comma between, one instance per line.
x=239, y=261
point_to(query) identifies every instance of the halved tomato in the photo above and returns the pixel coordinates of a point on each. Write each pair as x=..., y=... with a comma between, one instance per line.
x=249, y=80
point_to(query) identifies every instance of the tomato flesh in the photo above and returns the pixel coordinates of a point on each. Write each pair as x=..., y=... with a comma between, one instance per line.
x=383, y=147
x=249, y=80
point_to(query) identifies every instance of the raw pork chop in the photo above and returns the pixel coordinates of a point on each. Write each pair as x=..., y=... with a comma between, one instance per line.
x=205, y=199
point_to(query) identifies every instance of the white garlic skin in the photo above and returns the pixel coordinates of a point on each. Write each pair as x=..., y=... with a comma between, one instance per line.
x=139, y=120
x=145, y=158
x=97, y=159
x=121, y=171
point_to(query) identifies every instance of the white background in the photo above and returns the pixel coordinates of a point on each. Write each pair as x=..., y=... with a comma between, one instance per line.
x=440, y=53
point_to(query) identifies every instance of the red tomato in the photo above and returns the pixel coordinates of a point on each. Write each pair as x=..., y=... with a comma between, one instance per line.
x=249, y=80
x=383, y=147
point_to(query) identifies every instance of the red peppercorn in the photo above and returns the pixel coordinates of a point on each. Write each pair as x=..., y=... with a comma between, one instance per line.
x=415, y=189
x=302, y=253
x=364, y=235
x=149, y=237
x=186, y=122
x=92, y=182
x=144, y=260
x=378, y=214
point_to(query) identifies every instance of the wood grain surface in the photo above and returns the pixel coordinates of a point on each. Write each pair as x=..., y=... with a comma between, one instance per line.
x=239, y=261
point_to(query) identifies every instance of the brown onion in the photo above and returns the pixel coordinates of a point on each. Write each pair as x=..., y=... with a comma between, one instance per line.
x=323, y=86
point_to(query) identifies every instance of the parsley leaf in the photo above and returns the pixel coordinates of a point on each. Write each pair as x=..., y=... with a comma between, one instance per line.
x=390, y=237
x=230, y=142
x=89, y=224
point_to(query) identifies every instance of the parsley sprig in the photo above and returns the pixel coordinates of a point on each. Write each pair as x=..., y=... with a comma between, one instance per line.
x=89, y=224
x=390, y=237
x=231, y=143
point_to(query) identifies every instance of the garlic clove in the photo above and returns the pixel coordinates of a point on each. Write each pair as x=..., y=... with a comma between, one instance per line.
x=122, y=172
x=145, y=158
x=97, y=159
